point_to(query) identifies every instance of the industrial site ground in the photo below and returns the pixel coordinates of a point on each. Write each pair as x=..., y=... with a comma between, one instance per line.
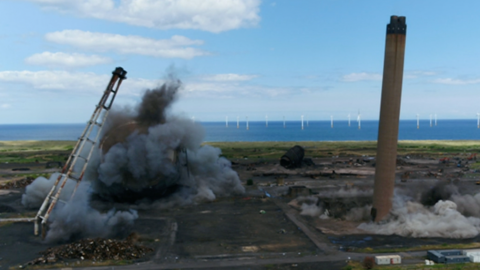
x=261, y=229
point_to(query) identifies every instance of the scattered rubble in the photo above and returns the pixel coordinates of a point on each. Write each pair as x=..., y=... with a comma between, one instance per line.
x=17, y=184
x=97, y=249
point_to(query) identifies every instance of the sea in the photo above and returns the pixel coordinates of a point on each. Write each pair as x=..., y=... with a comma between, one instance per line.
x=275, y=131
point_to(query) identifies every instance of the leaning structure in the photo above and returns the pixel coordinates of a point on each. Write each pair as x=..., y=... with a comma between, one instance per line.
x=78, y=160
x=389, y=118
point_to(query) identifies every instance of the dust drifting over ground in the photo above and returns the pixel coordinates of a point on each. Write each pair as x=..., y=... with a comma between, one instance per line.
x=438, y=211
x=158, y=163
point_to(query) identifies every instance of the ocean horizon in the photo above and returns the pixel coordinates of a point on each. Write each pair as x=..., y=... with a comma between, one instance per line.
x=462, y=129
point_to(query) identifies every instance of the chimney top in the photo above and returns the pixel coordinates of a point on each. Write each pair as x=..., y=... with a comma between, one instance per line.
x=397, y=25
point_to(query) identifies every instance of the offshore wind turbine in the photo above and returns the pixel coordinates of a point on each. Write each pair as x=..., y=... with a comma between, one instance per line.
x=247, y=122
x=302, y=122
x=478, y=120
x=418, y=121
x=331, y=121
x=238, y=123
x=430, y=120
x=283, y=121
x=226, y=121
x=266, y=120
x=348, y=119
x=359, y=120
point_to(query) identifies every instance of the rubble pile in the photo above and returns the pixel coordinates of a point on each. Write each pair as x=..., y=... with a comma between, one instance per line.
x=98, y=249
x=17, y=184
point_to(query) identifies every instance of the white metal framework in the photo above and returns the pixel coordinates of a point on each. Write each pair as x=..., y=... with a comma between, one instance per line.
x=68, y=171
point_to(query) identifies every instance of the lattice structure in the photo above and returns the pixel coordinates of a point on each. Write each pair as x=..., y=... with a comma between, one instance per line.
x=85, y=145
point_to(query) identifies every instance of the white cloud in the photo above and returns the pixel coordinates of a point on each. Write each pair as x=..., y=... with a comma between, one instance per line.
x=231, y=90
x=84, y=82
x=229, y=77
x=61, y=59
x=175, y=47
x=90, y=83
x=208, y=15
x=363, y=76
x=5, y=106
x=456, y=81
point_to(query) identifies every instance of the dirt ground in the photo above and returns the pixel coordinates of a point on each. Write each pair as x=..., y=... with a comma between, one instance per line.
x=252, y=226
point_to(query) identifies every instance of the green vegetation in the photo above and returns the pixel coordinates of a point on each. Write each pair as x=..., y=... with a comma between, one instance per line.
x=34, y=151
x=460, y=266
x=274, y=150
x=21, y=146
x=419, y=248
x=44, y=151
x=475, y=166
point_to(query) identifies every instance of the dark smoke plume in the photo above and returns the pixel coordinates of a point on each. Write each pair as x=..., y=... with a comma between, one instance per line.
x=151, y=110
x=147, y=158
x=441, y=191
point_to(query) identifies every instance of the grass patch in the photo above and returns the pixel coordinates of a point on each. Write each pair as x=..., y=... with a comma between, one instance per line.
x=35, y=175
x=419, y=248
x=459, y=266
x=44, y=151
x=34, y=156
x=19, y=146
x=274, y=150
x=474, y=166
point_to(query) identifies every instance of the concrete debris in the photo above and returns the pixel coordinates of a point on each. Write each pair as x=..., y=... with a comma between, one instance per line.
x=97, y=249
x=17, y=184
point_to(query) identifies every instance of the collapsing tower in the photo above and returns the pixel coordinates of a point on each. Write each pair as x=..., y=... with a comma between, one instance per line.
x=77, y=162
x=389, y=118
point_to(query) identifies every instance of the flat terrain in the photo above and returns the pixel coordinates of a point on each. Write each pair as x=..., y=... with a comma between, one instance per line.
x=258, y=230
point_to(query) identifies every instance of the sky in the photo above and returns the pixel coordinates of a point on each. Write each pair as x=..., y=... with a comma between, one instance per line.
x=236, y=58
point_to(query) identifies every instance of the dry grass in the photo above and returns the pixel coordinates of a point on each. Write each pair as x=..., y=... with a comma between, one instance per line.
x=460, y=266
x=345, y=148
x=420, y=248
x=17, y=146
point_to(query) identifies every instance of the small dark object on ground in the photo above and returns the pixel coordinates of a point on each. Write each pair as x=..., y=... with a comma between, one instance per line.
x=51, y=164
x=249, y=182
x=21, y=169
x=368, y=262
x=293, y=158
x=97, y=249
x=308, y=162
x=17, y=184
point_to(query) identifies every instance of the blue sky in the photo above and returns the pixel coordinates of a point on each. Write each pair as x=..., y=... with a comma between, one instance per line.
x=236, y=57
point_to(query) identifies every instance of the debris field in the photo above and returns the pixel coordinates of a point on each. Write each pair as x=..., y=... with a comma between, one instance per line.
x=17, y=184
x=97, y=249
